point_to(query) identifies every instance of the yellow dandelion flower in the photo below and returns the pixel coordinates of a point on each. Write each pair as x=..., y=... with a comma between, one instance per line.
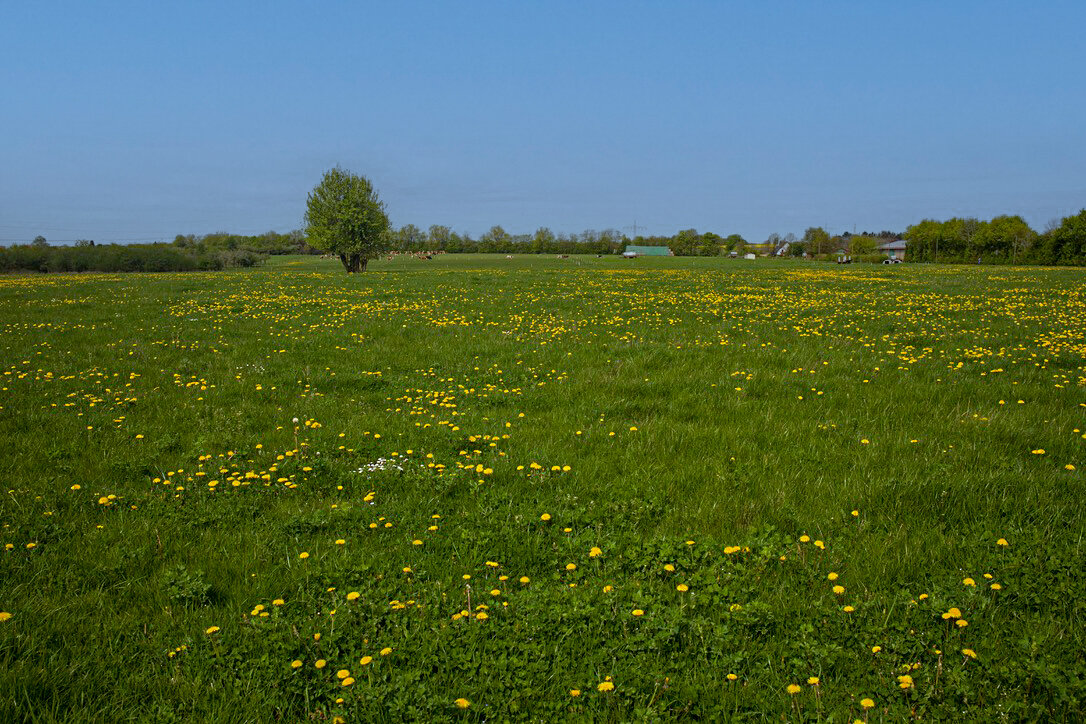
x=211, y=629
x=462, y=703
x=606, y=686
x=682, y=588
x=867, y=703
x=320, y=663
x=595, y=552
x=794, y=689
x=638, y=612
x=296, y=664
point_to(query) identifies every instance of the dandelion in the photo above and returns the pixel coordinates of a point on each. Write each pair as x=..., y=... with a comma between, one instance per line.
x=343, y=674
x=832, y=576
x=848, y=609
x=970, y=653
x=732, y=677
x=365, y=661
x=838, y=590
x=813, y=681
x=545, y=517
x=353, y=596
x=805, y=539
x=1002, y=542
x=525, y=580
x=682, y=588
x=1039, y=451
x=296, y=664
x=669, y=568
x=638, y=612
x=320, y=663
x=996, y=587
x=211, y=629
x=867, y=703
x=574, y=693
x=347, y=682
x=855, y=514
x=5, y=616
x=876, y=649
x=794, y=689
x=905, y=681
x=386, y=651
x=606, y=686
x=595, y=552
x=462, y=703
x=969, y=582
x=571, y=566
x=303, y=555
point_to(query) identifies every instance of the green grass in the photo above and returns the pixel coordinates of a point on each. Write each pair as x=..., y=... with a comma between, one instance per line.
x=702, y=414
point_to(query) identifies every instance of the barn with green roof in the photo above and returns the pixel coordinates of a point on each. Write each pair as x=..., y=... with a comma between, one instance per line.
x=634, y=250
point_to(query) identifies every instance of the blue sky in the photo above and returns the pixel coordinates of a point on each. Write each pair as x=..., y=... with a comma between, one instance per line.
x=139, y=121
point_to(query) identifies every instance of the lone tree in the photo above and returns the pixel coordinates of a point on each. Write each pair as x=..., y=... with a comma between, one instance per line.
x=344, y=216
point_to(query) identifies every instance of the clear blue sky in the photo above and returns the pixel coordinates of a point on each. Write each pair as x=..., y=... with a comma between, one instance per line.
x=142, y=120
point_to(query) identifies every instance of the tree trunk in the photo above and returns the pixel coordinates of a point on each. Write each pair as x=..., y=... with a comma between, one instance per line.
x=353, y=263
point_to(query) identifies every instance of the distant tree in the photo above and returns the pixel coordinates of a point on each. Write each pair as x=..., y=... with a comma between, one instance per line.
x=1066, y=243
x=345, y=217
x=733, y=242
x=39, y=242
x=816, y=240
x=862, y=245
x=543, y=241
x=437, y=239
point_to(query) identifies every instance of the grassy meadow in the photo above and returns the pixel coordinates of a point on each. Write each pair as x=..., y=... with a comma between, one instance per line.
x=544, y=489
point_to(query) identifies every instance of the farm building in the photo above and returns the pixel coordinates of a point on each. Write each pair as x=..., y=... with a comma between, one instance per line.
x=634, y=251
x=894, y=249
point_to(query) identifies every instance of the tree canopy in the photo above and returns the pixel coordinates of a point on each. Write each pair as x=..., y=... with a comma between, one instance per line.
x=345, y=217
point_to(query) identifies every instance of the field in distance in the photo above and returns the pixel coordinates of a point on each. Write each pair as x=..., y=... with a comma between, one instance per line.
x=538, y=488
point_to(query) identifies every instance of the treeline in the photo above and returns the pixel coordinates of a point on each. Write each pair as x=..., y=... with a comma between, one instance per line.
x=86, y=256
x=271, y=243
x=498, y=241
x=1002, y=240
